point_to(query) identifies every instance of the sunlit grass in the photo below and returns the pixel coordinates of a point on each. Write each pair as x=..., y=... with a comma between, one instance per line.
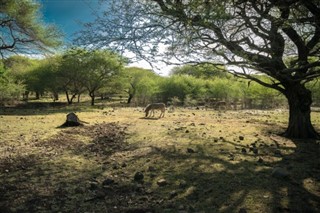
x=199, y=153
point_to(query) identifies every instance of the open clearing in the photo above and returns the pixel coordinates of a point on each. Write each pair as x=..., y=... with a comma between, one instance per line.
x=188, y=161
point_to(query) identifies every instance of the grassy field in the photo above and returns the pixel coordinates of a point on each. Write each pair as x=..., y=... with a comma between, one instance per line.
x=189, y=161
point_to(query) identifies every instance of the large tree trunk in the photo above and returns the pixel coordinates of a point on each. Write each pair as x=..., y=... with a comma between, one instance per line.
x=300, y=100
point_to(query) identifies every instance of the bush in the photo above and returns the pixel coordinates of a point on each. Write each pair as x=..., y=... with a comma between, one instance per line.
x=9, y=90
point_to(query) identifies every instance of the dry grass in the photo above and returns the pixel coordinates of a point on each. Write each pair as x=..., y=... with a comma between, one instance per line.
x=211, y=162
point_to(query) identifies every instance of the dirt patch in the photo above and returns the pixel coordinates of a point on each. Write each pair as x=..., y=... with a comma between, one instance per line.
x=98, y=139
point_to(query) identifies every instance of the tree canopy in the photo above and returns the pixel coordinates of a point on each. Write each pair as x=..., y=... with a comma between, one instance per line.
x=22, y=30
x=248, y=36
x=9, y=89
x=139, y=82
x=89, y=70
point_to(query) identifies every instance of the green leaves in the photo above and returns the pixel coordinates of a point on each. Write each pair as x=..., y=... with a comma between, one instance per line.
x=90, y=70
x=23, y=30
x=201, y=70
x=10, y=88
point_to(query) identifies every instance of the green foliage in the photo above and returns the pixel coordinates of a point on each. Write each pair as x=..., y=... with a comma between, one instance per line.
x=175, y=101
x=23, y=30
x=45, y=76
x=220, y=89
x=314, y=86
x=2, y=69
x=189, y=101
x=102, y=73
x=91, y=70
x=203, y=83
x=18, y=66
x=71, y=74
x=175, y=86
x=99, y=67
x=201, y=71
x=147, y=90
x=20, y=70
x=192, y=91
x=10, y=90
x=141, y=85
x=260, y=96
x=39, y=76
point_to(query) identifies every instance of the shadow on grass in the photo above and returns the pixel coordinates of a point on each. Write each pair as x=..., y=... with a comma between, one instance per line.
x=45, y=108
x=150, y=118
x=61, y=173
x=68, y=173
x=212, y=184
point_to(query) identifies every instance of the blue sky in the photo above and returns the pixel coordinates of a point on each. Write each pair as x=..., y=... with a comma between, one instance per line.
x=66, y=14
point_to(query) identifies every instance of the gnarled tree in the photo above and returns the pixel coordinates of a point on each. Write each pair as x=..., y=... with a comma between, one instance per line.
x=278, y=38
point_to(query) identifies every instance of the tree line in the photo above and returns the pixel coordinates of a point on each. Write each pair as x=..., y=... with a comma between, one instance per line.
x=103, y=74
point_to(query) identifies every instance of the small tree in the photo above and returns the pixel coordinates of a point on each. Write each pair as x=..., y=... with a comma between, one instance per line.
x=140, y=83
x=44, y=76
x=71, y=74
x=18, y=69
x=99, y=67
x=10, y=89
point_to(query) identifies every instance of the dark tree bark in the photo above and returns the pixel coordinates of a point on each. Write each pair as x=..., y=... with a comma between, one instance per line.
x=26, y=95
x=72, y=98
x=55, y=96
x=92, y=95
x=131, y=92
x=130, y=98
x=37, y=95
x=299, y=100
x=69, y=100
